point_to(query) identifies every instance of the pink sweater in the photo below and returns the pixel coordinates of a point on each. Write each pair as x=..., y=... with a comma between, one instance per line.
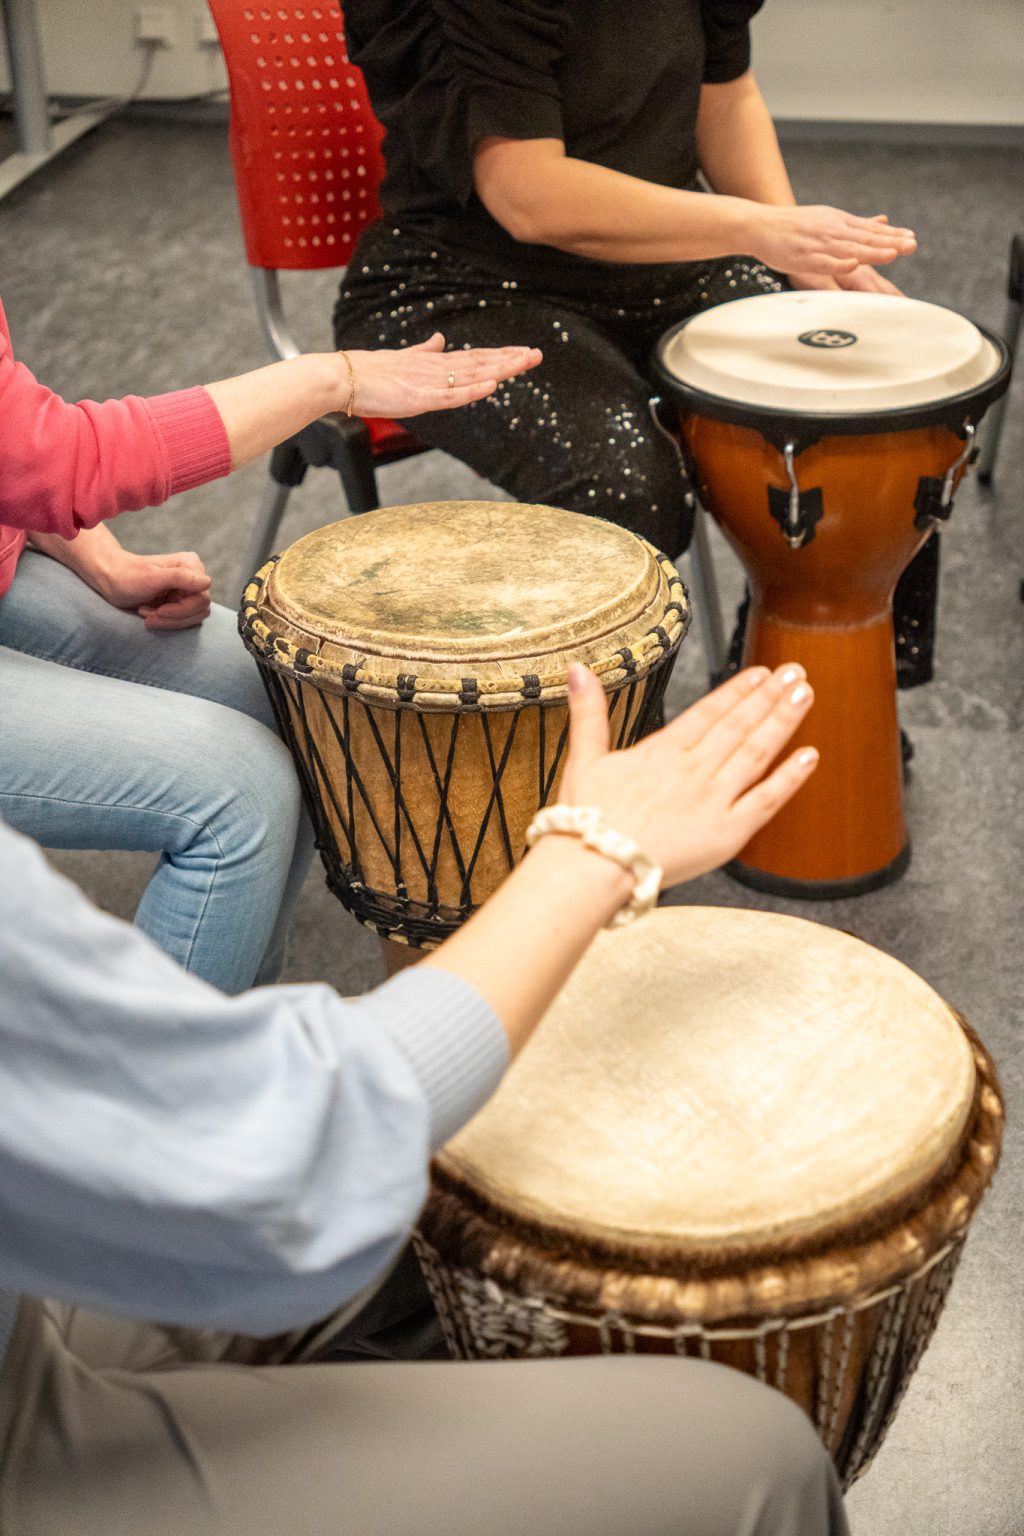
x=66, y=467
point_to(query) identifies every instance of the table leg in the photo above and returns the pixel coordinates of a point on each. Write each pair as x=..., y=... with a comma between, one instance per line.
x=31, y=116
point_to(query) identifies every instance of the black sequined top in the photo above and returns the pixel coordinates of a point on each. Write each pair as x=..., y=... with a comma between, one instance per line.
x=618, y=82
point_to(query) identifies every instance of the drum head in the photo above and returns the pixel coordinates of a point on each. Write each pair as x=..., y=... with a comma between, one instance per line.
x=481, y=579
x=723, y=1082
x=867, y=359
x=468, y=599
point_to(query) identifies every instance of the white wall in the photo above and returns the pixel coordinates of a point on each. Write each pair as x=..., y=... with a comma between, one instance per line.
x=938, y=61
x=915, y=61
x=89, y=50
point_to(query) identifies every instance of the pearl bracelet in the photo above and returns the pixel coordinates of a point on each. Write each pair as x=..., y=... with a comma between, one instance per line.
x=587, y=823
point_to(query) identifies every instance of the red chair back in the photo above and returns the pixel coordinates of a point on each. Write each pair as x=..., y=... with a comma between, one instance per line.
x=304, y=141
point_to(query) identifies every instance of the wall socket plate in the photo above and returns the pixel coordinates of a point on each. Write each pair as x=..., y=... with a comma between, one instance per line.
x=156, y=24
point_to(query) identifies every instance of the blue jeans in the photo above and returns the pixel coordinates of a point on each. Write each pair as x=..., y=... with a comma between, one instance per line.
x=115, y=736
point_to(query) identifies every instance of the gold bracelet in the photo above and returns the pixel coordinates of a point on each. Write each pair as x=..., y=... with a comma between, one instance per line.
x=587, y=823
x=350, y=403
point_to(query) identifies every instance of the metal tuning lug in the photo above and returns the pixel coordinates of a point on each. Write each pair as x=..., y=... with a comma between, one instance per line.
x=934, y=500
x=797, y=512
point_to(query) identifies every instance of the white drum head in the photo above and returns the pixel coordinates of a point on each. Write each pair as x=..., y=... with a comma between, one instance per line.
x=821, y=353
x=724, y=1080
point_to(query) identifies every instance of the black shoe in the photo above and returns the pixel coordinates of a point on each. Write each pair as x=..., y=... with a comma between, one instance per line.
x=906, y=753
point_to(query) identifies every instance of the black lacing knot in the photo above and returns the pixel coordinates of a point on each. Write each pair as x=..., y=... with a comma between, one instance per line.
x=406, y=687
x=302, y=660
x=531, y=686
x=628, y=661
x=673, y=608
x=663, y=639
x=271, y=644
x=348, y=676
x=469, y=693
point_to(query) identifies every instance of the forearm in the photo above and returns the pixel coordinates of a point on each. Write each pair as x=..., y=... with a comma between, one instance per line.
x=543, y=196
x=520, y=948
x=91, y=555
x=738, y=146
x=263, y=408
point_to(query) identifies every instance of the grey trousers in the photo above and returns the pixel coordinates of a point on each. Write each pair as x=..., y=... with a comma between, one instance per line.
x=112, y=1428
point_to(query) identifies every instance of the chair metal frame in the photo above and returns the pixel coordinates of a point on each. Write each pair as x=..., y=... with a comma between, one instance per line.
x=306, y=157
x=334, y=441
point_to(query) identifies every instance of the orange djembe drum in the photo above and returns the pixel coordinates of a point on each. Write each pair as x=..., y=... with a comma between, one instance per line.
x=417, y=660
x=826, y=433
x=738, y=1136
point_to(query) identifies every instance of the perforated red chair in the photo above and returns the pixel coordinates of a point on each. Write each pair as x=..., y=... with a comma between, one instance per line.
x=305, y=147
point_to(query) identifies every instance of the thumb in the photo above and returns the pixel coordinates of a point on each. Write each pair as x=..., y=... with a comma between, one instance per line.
x=588, y=719
x=434, y=343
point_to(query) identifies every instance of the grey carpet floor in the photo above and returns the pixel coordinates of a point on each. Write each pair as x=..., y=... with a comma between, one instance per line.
x=121, y=270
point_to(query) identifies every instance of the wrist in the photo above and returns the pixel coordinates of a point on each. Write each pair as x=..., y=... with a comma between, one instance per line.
x=333, y=380
x=101, y=567
x=583, y=879
x=95, y=556
x=746, y=220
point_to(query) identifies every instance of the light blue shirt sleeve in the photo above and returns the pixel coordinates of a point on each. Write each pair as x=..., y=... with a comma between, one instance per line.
x=169, y=1152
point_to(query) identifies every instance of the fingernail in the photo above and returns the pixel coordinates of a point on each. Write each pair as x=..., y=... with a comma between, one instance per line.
x=799, y=695
x=792, y=675
x=756, y=676
x=577, y=677
x=807, y=757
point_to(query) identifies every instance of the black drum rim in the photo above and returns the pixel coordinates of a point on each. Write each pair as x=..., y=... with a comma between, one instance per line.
x=805, y=428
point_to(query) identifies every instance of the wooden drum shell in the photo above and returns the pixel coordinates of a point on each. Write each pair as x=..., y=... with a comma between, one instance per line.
x=828, y=606
x=417, y=661
x=450, y=840
x=821, y=430
x=836, y=1317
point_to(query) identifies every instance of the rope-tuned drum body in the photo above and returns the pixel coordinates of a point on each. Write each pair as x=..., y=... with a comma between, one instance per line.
x=417, y=658
x=737, y=1136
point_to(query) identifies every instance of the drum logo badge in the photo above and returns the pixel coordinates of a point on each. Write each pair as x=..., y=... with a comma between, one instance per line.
x=827, y=338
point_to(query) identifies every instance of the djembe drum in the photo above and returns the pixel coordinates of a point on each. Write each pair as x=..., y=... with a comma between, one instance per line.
x=826, y=433
x=417, y=659
x=736, y=1135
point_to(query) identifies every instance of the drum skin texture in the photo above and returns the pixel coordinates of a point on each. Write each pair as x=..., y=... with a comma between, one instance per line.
x=876, y=399
x=417, y=660
x=738, y=1136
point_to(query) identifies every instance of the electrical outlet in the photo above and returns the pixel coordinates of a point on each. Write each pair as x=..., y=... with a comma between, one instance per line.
x=206, y=31
x=155, y=24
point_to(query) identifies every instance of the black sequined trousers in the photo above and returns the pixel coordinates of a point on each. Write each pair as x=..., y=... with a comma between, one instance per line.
x=576, y=432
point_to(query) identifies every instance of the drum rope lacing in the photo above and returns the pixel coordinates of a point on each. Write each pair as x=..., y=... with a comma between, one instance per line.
x=612, y=1319
x=462, y=693
x=495, y=1322
x=421, y=922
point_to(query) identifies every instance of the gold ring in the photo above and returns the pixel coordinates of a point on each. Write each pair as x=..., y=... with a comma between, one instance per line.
x=451, y=379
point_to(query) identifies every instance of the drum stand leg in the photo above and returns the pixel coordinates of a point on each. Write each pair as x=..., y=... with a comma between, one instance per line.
x=1011, y=335
x=705, y=598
